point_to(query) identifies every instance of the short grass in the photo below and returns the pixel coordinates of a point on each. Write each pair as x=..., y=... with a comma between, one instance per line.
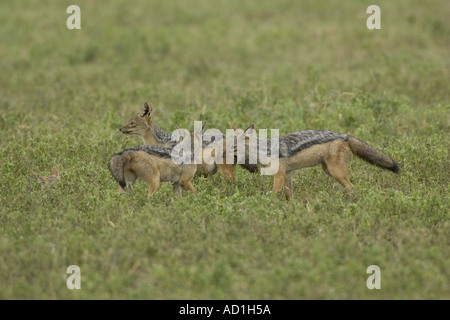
x=289, y=65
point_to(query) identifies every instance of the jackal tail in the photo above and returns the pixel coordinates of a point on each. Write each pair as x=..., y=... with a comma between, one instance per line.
x=372, y=155
x=116, y=166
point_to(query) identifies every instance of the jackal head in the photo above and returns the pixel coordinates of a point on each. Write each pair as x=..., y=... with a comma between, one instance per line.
x=194, y=137
x=242, y=136
x=139, y=123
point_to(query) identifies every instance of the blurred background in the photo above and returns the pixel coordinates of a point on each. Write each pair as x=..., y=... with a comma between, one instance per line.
x=216, y=53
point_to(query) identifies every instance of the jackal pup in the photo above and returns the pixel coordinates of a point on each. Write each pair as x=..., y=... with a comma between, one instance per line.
x=310, y=148
x=153, y=164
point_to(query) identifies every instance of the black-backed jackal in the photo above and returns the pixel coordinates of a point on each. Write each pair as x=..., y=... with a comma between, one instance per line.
x=310, y=148
x=151, y=133
x=153, y=164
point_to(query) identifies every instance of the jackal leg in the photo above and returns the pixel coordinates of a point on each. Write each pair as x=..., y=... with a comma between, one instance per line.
x=227, y=171
x=177, y=189
x=187, y=185
x=325, y=168
x=152, y=179
x=278, y=180
x=152, y=188
x=338, y=170
x=288, y=186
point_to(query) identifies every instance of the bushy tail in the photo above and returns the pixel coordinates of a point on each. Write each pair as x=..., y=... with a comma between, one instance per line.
x=372, y=155
x=116, y=165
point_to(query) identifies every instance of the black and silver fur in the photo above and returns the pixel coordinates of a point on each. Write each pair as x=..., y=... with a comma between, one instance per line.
x=295, y=142
x=162, y=136
x=301, y=140
x=153, y=150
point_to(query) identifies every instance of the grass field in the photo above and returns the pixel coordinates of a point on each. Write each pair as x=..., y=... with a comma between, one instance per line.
x=289, y=65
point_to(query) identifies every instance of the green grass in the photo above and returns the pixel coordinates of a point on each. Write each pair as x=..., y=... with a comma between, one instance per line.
x=289, y=65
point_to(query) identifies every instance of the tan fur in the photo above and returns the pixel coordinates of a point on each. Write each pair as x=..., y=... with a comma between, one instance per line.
x=227, y=170
x=332, y=156
x=144, y=126
x=154, y=170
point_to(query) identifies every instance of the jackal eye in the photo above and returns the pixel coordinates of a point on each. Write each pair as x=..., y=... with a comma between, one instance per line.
x=131, y=123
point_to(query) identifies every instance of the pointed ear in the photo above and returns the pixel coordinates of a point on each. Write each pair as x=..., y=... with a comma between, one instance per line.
x=55, y=172
x=232, y=126
x=252, y=126
x=147, y=110
x=180, y=131
x=199, y=132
